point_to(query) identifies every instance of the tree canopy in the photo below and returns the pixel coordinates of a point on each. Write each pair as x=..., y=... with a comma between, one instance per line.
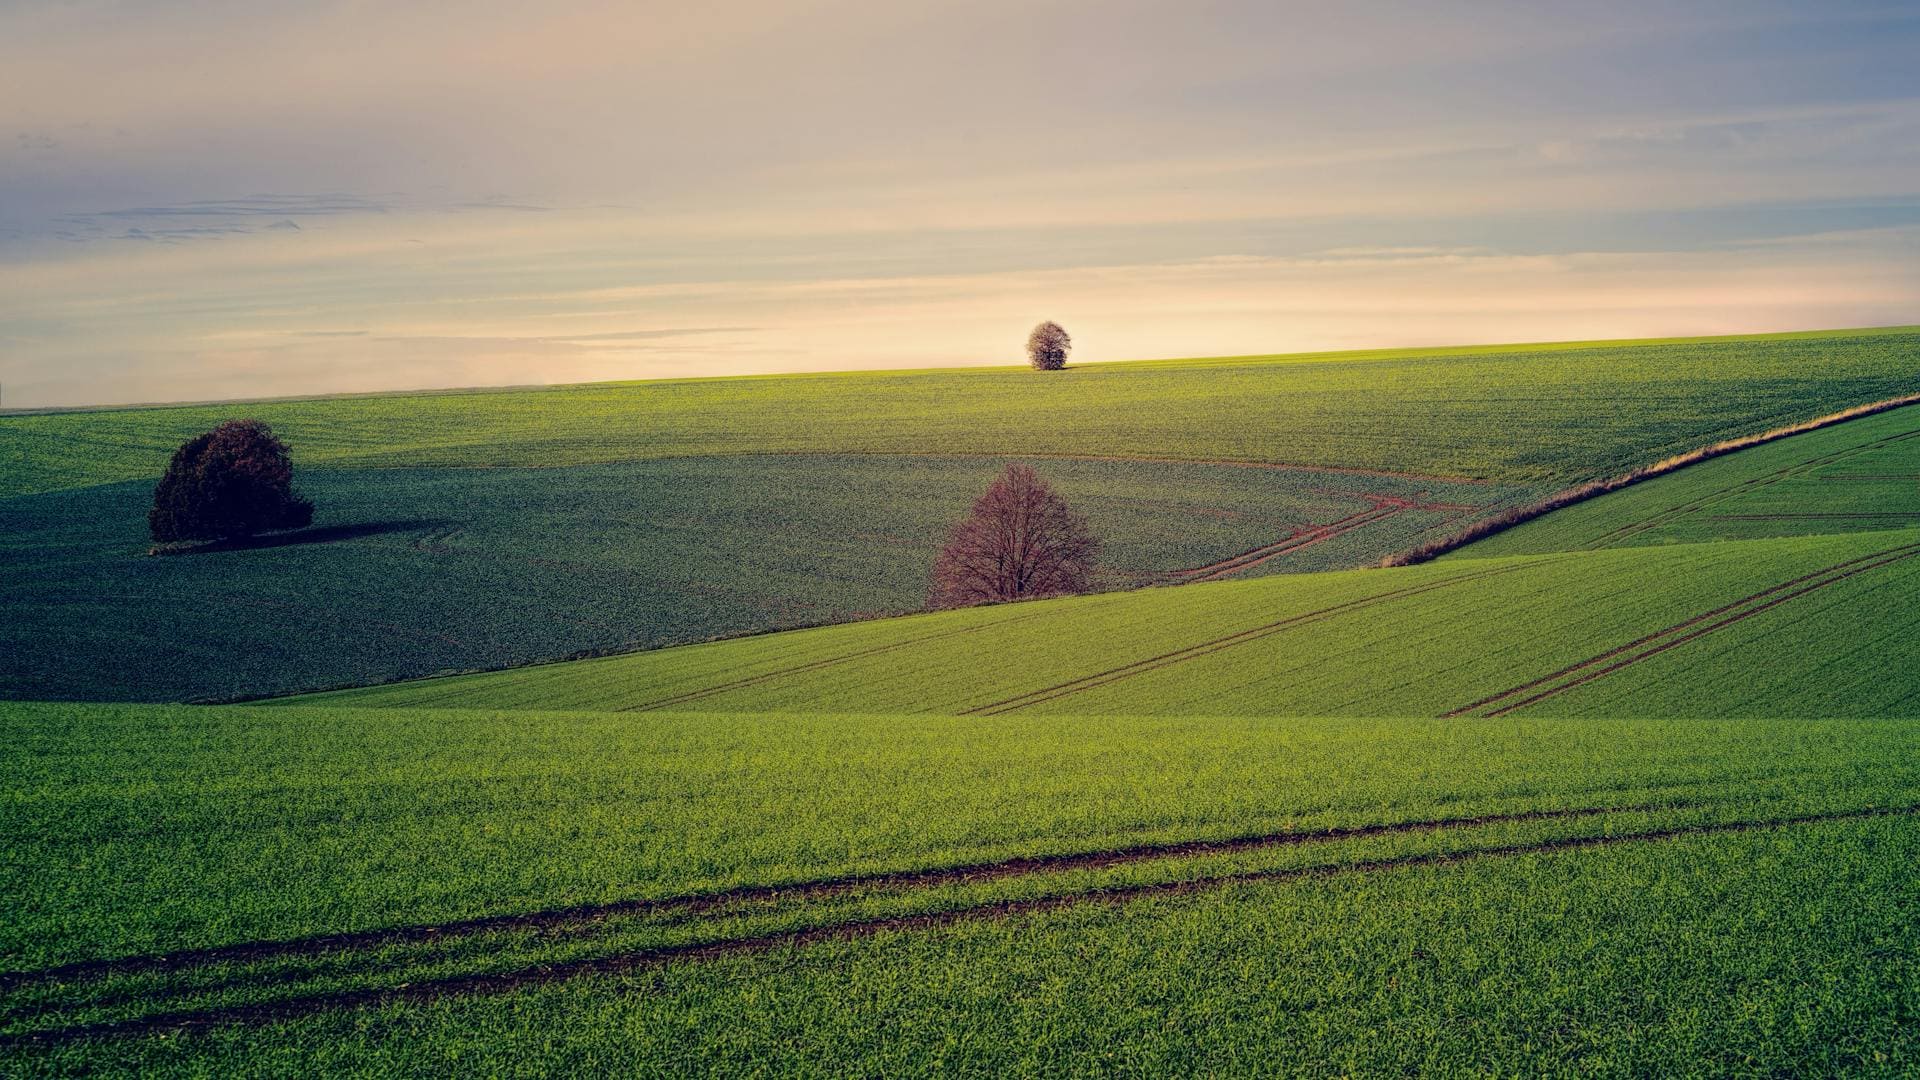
x=231, y=482
x=1047, y=346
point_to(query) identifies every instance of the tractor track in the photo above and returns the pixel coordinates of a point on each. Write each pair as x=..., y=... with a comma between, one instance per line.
x=1305, y=538
x=1383, y=508
x=815, y=665
x=1633, y=529
x=818, y=888
x=1687, y=630
x=429, y=990
x=1167, y=659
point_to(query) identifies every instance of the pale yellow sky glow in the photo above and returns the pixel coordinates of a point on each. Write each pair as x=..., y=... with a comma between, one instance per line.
x=218, y=199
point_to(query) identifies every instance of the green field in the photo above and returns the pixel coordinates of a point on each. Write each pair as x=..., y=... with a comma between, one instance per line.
x=1521, y=414
x=1632, y=789
x=428, y=570
x=268, y=827
x=480, y=530
x=1859, y=475
x=1735, y=629
x=1515, y=413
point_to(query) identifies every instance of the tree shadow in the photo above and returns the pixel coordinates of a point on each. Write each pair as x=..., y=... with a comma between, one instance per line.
x=325, y=534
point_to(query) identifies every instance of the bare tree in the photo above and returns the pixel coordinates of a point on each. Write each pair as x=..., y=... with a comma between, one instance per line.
x=1047, y=347
x=1020, y=541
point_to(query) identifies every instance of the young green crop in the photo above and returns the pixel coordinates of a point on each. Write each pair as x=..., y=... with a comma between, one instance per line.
x=276, y=823
x=1428, y=640
x=419, y=570
x=1540, y=414
x=1786, y=950
x=422, y=570
x=1859, y=475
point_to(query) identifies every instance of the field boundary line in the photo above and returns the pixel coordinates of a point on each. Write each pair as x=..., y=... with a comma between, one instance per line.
x=1520, y=515
x=1652, y=644
x=622, y=963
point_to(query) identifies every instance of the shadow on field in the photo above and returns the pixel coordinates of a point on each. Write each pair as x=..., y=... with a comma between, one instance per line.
x=324, y=535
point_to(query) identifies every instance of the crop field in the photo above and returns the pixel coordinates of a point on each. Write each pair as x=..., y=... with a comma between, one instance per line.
x=1543, y=414
x=1860, y=475
x=1752, y=618
x=427, y=570
x=664, y=513
x=1631, y=789
x=434, y=889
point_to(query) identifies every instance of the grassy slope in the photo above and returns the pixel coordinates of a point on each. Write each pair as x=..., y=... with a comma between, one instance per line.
x=1419, y=640
x=655, y=548
x=1786, y=952
x=453, y=569
x=1863, y=474
x=1788, y=949
x=1513, y=413
x=275, y=823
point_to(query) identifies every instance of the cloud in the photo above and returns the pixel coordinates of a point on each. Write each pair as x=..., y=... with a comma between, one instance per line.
x=1207, y=306
x=649, y=335
x=512, y=177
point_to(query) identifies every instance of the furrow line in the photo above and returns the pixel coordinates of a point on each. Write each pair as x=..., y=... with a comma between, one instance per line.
x=1307, y=540
x=1231, y=563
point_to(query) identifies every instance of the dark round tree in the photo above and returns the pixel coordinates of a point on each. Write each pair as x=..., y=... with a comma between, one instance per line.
x=233, y=482
x=1047, y=347
x=1020, y=541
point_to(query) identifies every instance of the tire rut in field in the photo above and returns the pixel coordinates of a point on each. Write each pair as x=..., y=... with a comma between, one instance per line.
x=1382, y=508
x=802, y=890
x=1680, y=633
x=1305, y=539
x=1213, y=645
x=433, y=989
x=1636, y=528
x=1254, y=556
x=815, y=665
x=1865, y=515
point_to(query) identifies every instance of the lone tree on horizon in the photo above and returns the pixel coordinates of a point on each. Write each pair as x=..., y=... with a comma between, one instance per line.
x=229, y=483
x=1020, y=541
x=1047, y=347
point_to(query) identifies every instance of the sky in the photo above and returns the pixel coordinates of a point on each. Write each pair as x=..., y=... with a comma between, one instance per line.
x=208, y=199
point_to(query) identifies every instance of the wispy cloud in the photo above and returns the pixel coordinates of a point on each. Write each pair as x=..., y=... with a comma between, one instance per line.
x=570, y=191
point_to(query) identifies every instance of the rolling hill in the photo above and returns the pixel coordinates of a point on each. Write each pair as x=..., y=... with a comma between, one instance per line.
x=435, y=888
x=1635, y=783
x=609, y=518
x=1815, y=622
